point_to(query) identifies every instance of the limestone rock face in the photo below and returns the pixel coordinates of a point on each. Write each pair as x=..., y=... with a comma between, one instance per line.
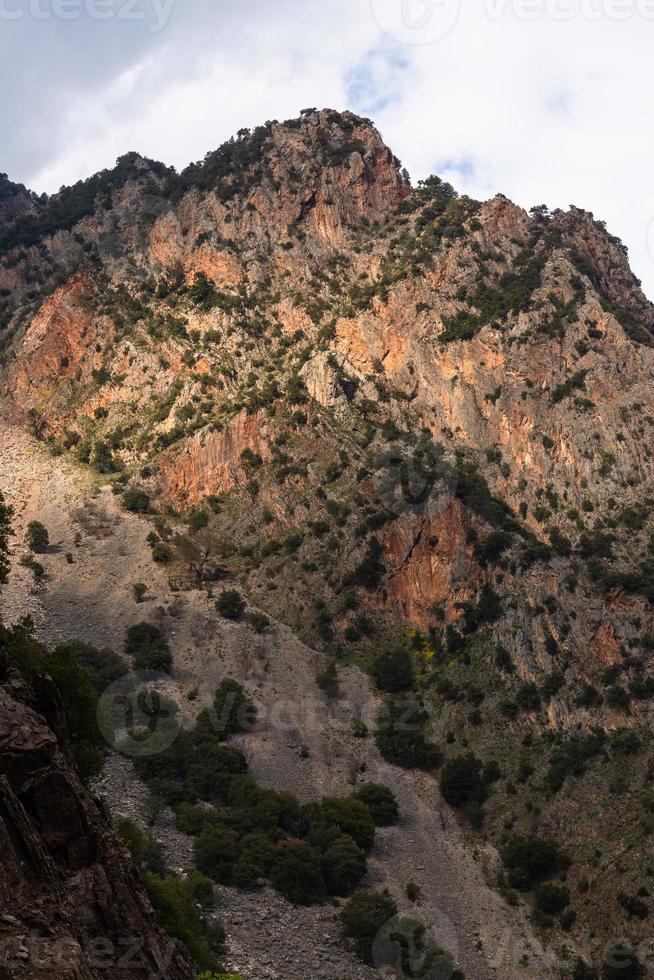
x=210, y=462
x=384, y=408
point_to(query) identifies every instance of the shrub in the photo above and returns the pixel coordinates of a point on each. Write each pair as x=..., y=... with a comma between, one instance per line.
x=230, y=604
x=177, y=913
x=381, y=802
x=551, y=898
x=257, y=855
x=297, y=874
x=38, y=539
x=104, y=666
x=413, y=891
x=260, y=622
x=362, y=918
x=216, y=853
x=462, y=781
x=327, y=678
x=136, y=501
x=139, y=590
x=162, y=553
x=368, y=574
x=582, y=971
x=392, y=671
x=344, y=865
x=617, y=697
x=400, y=735
x=5, y=533
x=148, y=647
x=233, y=711
x=146, y=852
x=532, y=860
x=528, y=697
x=35, y=566
x=633, y=905
x=571, y=758
x=209, y=775
x=348, y=816
x=621, y=963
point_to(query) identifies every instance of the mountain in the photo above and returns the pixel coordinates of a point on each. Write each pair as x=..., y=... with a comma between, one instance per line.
x=412, y=429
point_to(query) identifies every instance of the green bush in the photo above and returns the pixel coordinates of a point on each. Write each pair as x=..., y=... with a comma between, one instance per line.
x=146, y=852
x=38, y=539
x=552, y=898
x=216, y=853
x=104, y=666
x=5, y=533
x=233, y=711
x=621, y=963
x=381, y=803
x=162, y=553
x=346, y=816
x=462, y=781
x=177, y=913
x=400, y=735
x=297, y=874
x=148, y=648
x=344, y=865
x=136, y=501
x=74, y=684
x=369, y=573
x=260, y=622
x=532, y=860
x=257, y=855
x=362, y=918
x=231, y=604
x=392, y=670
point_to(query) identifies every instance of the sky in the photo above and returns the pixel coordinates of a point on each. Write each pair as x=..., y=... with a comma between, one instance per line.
x=546, y=101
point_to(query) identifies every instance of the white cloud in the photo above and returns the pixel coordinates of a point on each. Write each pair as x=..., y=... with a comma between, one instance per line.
x=548, y=110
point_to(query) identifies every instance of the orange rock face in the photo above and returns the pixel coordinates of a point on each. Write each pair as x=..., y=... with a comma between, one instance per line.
x=65, y=342
x=209, y=463
x=430, y=564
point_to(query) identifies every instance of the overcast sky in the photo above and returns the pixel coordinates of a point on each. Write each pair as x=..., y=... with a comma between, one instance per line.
x=548, y=102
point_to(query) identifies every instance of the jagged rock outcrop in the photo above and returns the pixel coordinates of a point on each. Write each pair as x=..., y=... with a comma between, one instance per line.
x=71, y=904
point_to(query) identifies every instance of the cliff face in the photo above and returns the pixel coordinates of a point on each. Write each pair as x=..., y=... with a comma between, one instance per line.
x=175, y=321
x=72, y=905
x=383, y=406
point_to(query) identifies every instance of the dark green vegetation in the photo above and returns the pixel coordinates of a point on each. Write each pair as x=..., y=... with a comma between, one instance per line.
x=249, y=834
x=182, y=905
x=392, y=943
x=5, y=534
x=71, y=204
x=230, y=604
x=60, y=671
x=148, y=648
x=38, y=538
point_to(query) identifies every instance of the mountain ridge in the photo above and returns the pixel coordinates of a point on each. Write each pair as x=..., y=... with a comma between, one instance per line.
x=287, y=353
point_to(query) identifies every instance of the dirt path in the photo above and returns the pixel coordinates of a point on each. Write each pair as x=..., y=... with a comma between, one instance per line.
x=304, y=744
